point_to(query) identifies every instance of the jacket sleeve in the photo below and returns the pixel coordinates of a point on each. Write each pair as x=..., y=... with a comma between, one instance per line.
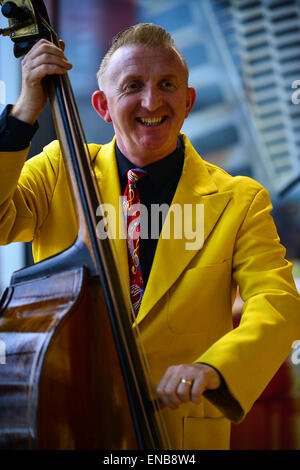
x=26, y=189
x=249, y=356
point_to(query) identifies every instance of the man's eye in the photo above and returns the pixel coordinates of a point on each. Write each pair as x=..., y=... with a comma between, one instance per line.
x=133, y=86
x=168, y=84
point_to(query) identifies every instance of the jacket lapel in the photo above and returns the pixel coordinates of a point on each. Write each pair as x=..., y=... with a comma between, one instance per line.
x=196, y=186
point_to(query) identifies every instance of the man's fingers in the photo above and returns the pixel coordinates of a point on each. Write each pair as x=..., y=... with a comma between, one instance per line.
x=167, y=388
x=62, y=44
x=184, y=391
x=46, y=51
x=186, y=382
x=197, y=389
x=46, y=69
x=44, y=58
x=171, y=390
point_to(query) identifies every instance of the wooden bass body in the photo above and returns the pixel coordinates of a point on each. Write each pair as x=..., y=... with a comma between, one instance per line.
x=56, y=385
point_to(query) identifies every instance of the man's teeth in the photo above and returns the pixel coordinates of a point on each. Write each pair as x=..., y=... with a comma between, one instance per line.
x=151, y=121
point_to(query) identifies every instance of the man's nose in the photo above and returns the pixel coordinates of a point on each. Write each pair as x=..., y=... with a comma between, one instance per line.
x=152, y=98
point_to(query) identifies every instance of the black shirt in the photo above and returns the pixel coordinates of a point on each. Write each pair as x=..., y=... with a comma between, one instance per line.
x=158, y=187
x=14, y=134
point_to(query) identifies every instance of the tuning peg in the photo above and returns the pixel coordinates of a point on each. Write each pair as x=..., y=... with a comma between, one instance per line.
x=11, y=10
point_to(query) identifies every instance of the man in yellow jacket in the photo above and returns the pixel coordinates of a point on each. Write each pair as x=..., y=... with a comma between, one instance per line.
x=206, y=373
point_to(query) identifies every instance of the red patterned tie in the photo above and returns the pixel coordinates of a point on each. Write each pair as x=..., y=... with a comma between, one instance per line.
x=132, y=213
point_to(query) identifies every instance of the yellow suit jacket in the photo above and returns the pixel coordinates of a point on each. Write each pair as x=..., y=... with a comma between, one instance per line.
x=186, y=312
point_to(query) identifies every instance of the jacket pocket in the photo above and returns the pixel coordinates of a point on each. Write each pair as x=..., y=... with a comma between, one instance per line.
x=200, y=299
x=206, y=433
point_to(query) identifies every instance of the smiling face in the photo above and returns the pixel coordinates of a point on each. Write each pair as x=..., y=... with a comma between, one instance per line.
x=145, y=94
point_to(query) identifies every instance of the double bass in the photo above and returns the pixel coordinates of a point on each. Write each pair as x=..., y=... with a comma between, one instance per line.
x=75, y=373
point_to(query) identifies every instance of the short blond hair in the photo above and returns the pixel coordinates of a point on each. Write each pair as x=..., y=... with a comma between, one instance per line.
x=141, y=34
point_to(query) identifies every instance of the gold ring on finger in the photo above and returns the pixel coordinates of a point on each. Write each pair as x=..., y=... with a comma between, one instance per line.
x=185, y=381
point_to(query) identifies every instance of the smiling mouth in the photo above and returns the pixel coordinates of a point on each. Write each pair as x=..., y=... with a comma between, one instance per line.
x=154, y=121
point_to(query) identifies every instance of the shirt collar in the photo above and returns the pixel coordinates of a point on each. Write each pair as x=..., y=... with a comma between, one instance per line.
x=160, y=172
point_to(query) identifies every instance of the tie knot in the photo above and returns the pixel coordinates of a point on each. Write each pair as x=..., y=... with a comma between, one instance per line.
x=135, y=175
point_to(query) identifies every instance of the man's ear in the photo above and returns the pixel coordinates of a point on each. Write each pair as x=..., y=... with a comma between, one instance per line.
x=191, y=98
x=100, y=105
